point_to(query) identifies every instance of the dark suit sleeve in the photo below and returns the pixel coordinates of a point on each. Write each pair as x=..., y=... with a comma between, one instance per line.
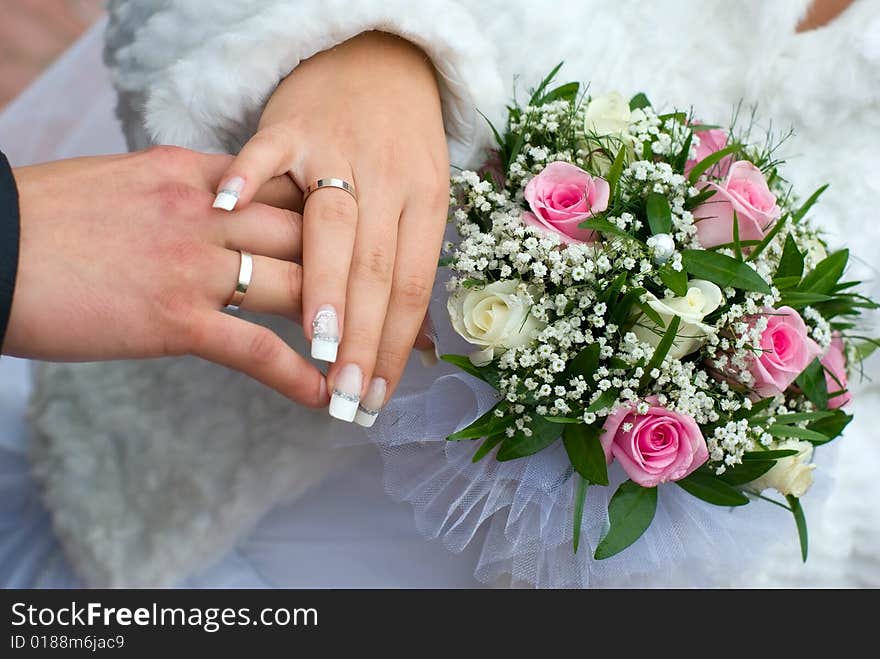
x=9, y=238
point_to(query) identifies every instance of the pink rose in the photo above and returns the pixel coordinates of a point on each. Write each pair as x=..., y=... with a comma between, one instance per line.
x=834, y=362
x=660, y=445
x=711, y=141
x=561, y=197
x=745, y=192
x=786, y=350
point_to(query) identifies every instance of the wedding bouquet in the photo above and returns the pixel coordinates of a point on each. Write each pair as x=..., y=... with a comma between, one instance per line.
x=646, y=289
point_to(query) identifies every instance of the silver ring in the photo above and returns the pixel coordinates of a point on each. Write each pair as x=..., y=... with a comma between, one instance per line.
x=331, y=183
x=245, y=272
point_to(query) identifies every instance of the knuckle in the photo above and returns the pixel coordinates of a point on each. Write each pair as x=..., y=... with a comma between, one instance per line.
x=294, y=281
x=374, y=266
x=413, y=292
x=174, y=197
x=264, y=347
x=437, y=195
x=390, y=361
x=168, y=158
x=338, y=208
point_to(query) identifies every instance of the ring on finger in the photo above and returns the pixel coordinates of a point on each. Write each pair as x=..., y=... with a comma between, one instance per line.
x=245, y=272
x=337, y=183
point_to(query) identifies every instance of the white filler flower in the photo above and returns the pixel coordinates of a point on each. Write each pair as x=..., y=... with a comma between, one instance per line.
x=495, y=316
x=702, y=298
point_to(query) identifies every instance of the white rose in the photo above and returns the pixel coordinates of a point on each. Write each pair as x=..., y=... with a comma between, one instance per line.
x=702, y=298
x=792, y=475
x=494, y=317
x=815, y=251
x=608, y=114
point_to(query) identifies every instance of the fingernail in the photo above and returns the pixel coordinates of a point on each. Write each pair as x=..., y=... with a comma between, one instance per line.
x=227, y=198
x=325, y=334
x=347, y=393
x=429, y=357
x=370, y=406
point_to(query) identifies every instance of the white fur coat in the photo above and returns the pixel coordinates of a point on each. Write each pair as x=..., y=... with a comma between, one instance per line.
x=218, y=450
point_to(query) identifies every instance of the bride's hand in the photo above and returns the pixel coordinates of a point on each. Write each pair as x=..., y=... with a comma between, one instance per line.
x=367, y=112
x=122, y=257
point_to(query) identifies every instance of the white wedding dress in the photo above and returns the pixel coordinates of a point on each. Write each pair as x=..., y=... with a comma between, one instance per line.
x=180, y=473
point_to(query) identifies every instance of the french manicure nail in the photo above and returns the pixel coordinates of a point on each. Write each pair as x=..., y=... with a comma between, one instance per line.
x=347, y=393
x=369, y=407
x=325, y=334
x=227, y=198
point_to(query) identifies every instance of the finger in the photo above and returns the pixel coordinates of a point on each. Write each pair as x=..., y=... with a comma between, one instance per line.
x=366, y=303
x=267, y=154
x=426, y=342
x=264, y=230
x=260, y=353
x=280, y=192
x=275, y=286
x=420, y=237
x=329, y=226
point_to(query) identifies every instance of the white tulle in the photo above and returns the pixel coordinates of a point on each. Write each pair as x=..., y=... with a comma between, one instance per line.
x=526, y=506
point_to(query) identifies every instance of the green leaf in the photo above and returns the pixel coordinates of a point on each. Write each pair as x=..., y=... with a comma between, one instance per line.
x=586, y=362
x=498, y=139
x=808, y=204
x=797, y=417
x=698, y=199
x=833, y=426
x=444, y=261
x=580, y=495
x=622, y=310
x=680, y=161
x=604, y=226
x=463, y=363
x=723, y=270
x=768, y=238
x=783, y=283
x=710, y=161
x=488, y=444
x=539, y=90
x=737, y=246
x=747, y=472
x=661, y=350
x=812, y=383
x=791, y=263
x=659, y=213
x=801, y=521
x=563, y=420
x=615, y=171
x=630, y=512
x=543, y=435
x=826, y=274
x=585, y=452
x=866, y=348
x=639, y=101
x=799, y=300
x=609, y=295
x=756, y=408
x=710, y=488
x=606, y=399
x=650, y=313
x=767, y=455
x=486, y=425
x=797, y=433
x=567, y=92
x=674, y=280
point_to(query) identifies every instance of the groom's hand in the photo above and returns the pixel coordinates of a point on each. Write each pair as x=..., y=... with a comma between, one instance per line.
x=123, y=257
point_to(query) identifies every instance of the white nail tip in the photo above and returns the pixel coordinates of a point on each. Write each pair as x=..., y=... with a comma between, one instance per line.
x=325, y=350
x=343, y=406
x=429, y=357
x=365, y=419
x=225, y=200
